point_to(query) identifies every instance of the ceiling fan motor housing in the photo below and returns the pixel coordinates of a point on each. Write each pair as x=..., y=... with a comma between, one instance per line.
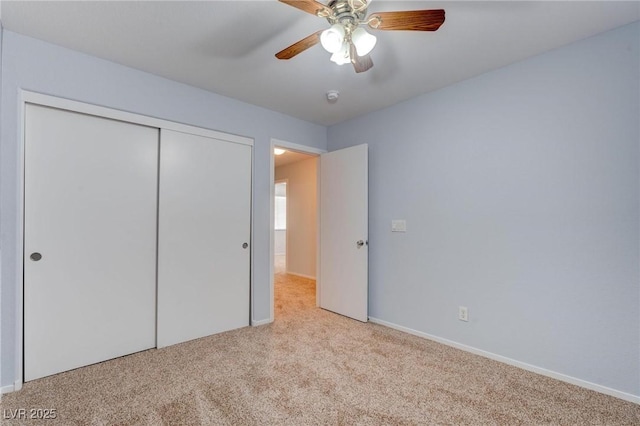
x=345, y=14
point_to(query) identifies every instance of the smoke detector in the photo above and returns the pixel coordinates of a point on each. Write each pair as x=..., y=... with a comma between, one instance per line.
x=332, y=96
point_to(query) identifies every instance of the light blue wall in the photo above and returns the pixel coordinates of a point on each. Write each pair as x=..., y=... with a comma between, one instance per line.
x=520, y=188
x=41, y=67
x=1, y=179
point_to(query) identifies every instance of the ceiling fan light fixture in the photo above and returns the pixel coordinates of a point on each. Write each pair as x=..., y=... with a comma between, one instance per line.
x=333, y=38
x=342, y=57
x=346, y=41
x=363, y=41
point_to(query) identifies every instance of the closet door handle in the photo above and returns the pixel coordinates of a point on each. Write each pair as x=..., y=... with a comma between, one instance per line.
x=245, y=245
x=35, y=256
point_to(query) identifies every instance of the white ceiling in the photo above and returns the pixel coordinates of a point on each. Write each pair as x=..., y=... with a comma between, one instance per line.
x=228, y=47
x=290, y=157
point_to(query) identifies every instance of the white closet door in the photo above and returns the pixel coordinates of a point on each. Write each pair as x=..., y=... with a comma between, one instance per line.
x=204, y=231
x=90, y=239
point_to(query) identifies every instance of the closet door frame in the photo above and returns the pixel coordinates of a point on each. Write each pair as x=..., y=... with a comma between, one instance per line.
x=28, y=97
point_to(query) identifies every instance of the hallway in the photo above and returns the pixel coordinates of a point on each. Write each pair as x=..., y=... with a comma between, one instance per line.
x=293, y=295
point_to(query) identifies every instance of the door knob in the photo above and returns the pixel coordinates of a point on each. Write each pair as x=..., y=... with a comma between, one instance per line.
x=35, y=256
x=245, y=245
x=360, y=243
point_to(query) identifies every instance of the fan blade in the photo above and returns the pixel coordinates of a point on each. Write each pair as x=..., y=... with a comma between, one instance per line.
x=411, y=20
x=360, y=63
x=300, y=46
x=310, y=6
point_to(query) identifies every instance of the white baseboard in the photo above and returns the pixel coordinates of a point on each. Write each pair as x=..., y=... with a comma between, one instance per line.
x=534, y=369
x=301, y=275
x=255, y=323
x=11, y=388
x=7, y=389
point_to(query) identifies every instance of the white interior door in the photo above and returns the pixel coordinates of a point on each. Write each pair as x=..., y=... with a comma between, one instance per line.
x=343, y=232
x=204, y=231
x=89, y=239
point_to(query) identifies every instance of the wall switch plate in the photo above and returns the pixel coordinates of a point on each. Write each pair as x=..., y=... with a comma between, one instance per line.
x=463, y=313
x=398, y=225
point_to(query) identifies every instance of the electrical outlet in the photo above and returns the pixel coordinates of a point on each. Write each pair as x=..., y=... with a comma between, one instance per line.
x=463, y=313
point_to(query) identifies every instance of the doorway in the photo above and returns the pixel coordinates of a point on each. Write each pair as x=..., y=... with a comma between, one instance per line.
x=294, y=213
x=342, y=207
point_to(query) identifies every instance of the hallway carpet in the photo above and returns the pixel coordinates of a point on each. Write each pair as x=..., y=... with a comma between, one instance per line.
x=311, y=367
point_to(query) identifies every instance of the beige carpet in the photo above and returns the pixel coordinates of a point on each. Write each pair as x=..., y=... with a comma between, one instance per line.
x=312, y=367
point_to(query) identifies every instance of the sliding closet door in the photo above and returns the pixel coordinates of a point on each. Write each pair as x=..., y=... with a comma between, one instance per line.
x=89, y=239
x=203, y=240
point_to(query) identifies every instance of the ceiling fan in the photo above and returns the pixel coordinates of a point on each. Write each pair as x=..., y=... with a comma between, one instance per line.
x=346, y=39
